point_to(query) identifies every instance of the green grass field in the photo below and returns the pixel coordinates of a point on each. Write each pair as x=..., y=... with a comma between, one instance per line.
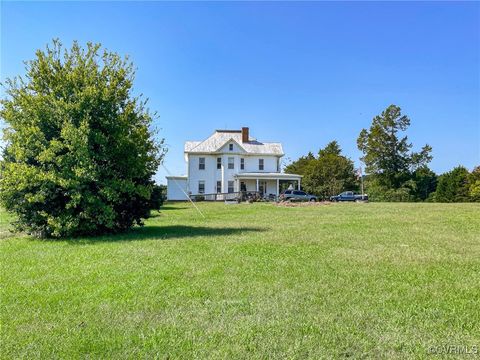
x=250, y=281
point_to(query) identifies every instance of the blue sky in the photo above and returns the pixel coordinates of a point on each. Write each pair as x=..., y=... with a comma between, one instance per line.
x=299, y=73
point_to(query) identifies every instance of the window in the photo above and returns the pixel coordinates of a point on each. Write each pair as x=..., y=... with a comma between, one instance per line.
x=219, y=187
x=201, y=163
x=260, y=164
x=278, y=165
x=230, y=186
x=288, y=192
x=219, y=163
x=242, y=164
x=201, y=187
x=230, y=147
x=231, y=162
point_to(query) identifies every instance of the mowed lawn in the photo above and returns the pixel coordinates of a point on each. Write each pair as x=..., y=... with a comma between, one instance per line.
x=250, y=281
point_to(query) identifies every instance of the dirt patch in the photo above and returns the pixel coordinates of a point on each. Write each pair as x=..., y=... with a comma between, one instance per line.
x=302, y=204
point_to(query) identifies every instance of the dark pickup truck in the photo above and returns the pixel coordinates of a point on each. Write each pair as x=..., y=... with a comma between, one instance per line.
x=349, y=196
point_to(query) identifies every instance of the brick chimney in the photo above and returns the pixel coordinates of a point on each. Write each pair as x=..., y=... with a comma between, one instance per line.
x=244, y=134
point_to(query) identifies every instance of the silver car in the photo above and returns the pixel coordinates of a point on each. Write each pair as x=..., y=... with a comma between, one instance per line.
x=297, y=195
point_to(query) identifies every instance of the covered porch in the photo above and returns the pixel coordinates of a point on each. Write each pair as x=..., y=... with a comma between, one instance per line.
x=267, y=184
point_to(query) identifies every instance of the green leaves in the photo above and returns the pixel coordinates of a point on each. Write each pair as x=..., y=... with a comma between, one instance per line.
x=331, y=173
x=80, y=153
x=388, y=157
x=474, y=184
x=328, y=174
x=453, y=186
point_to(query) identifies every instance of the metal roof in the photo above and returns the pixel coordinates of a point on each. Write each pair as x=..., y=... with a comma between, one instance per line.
x=181, y=177
x=221, y=137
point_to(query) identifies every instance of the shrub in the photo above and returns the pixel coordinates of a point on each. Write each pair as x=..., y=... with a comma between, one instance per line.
x=474, y=184
x=157, y=197
x=80, y=154
x=453, y=186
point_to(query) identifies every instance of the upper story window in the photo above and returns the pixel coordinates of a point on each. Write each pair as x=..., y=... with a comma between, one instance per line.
x=231, y=163
x=201, y=186
x=260, y=164
x=242, y=164
x=278, y=165
x=201, y=163
x=219, y=163
x=230, y=147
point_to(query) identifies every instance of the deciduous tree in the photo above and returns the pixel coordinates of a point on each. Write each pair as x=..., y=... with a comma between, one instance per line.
x=474, y=184
x=301, y=165
x=330, y=173
x=453, y=186
x=425, y=181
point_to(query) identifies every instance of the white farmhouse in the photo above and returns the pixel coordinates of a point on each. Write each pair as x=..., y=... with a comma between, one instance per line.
x=230, y=161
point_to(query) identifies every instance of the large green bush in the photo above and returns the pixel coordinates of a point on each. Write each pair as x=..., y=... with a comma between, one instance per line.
x=330, y=173
x=79, y=151
x=158, y=196
x=474, y=184
x=453, y=186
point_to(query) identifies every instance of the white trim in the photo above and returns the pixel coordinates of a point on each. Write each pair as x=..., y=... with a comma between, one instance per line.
x=231, y=139
x=271, y=176
x=235, y=153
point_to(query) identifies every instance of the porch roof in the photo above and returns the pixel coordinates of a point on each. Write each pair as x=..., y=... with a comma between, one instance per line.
x=267, y=175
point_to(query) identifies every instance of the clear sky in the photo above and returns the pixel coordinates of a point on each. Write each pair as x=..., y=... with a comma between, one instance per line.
x=299, y=73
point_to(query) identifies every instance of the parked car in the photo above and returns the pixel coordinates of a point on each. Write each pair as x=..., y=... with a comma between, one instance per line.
x=349, y=196
x=297, y=195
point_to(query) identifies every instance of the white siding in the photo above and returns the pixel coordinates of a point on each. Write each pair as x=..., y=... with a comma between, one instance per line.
x=211, y=174
x=175, y=187
x=269, y=163
x=236, y=149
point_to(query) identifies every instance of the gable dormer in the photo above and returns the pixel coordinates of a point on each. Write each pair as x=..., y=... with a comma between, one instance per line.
x=231, y=147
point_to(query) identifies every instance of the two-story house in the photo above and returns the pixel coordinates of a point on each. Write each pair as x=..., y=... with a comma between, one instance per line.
x=230, y=161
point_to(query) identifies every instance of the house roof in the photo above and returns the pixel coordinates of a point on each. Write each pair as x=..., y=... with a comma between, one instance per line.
x=181, y=177
x=220, y=137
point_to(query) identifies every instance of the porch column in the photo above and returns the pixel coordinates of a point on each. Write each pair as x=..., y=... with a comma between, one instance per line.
x=299, y=183
x=222, y=187
x=278, y=187
x=258, y=187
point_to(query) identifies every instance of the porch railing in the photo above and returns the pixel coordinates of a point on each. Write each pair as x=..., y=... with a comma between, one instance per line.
x=233, y=196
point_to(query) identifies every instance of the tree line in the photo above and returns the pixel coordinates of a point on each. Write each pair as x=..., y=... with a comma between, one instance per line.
x=80, y=151
x=393, y=171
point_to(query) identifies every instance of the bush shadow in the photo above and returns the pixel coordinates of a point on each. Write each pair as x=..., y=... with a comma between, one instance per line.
x=154, y=232
x=170, y=206
x=158, y=213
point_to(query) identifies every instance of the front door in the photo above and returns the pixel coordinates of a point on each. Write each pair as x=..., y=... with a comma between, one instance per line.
x=262, y=187
x=243, y=186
